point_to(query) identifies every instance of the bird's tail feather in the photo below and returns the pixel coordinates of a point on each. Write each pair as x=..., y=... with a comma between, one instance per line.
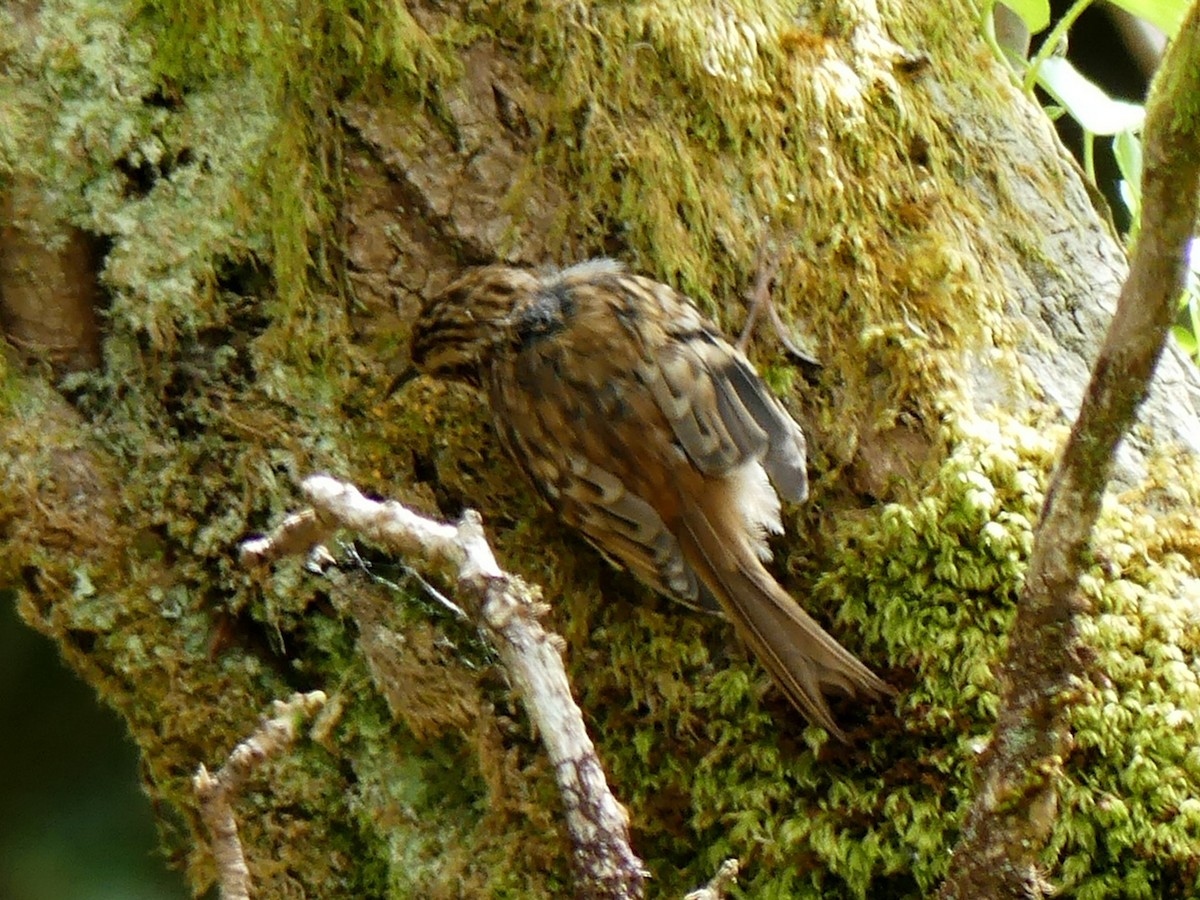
x=802, y=658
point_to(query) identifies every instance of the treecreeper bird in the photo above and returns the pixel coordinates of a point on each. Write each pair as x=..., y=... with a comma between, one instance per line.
x=650, y=433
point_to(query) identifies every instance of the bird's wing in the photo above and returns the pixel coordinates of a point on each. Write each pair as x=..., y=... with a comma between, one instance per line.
x=721, y=412
x=616, y=379
x=576, y=440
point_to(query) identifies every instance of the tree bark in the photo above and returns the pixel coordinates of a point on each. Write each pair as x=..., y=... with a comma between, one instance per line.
x=271, y=192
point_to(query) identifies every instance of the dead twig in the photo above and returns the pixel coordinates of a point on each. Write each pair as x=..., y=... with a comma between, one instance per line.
x=508, y=612
x=216, y=793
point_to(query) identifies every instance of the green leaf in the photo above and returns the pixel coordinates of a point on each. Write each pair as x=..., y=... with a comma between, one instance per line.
x=1095, y=111
x=1184, y=338
x=1133, y=203
x=1163, y=14
x=1127, y=148
x=1034, y=13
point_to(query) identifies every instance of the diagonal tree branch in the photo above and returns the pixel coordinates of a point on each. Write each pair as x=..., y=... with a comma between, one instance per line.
x=1011, y=816
x=508, y=611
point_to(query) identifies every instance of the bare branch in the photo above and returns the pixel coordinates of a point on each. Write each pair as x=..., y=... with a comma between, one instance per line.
x=298, y=533
x=1010, y=819
x=216, y=793
x=725, y=878
x=508, y=611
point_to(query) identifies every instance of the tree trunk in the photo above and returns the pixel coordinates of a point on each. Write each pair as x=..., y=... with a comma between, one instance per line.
x=270, y=191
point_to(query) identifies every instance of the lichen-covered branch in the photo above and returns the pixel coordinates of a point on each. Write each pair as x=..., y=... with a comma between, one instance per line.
x=215, y=793
x=1010, y=819
x=508, y=610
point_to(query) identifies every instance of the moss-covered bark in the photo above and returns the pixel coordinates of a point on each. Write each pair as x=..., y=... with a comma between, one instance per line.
x=272, y=187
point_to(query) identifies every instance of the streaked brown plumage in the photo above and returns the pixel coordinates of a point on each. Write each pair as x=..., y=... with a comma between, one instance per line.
x=646, y=430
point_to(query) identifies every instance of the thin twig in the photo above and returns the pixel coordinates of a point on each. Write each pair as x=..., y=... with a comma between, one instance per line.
x=760, y=300
x=445, y=602
x=216, y=793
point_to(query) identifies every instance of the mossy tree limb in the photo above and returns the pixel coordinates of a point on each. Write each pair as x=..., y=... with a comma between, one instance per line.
x=1009, y=822
x=273, y=186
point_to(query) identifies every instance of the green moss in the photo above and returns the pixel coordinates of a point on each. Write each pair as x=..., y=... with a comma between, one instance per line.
x=925, y=592
x=686, y=137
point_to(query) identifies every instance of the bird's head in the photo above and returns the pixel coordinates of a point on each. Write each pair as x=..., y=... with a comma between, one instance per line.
x=458, y=329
